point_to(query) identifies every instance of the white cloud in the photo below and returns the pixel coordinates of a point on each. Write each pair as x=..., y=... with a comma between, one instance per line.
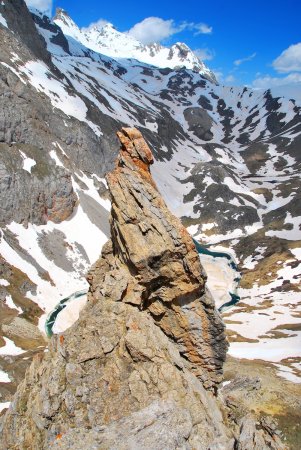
x=289, y=63
x=225, y=79
x=289, y=60
x=202, y=28
x=230, y=79
x=41, y=5
x=219, y=75
x=155, y=29
x=98, y=24
x=238, y=62
x=266, y=82
x=205, y=54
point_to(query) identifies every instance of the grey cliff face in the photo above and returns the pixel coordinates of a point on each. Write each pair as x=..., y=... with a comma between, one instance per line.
x=29, y=127
x=13, y=11
x=43, y=194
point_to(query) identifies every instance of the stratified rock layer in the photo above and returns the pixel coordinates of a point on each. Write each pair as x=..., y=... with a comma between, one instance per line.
x=132, y=372
x=152, y=263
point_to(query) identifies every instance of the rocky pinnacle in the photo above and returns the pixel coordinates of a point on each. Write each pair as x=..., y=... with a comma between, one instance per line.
x=138, y=368
x=151, y=262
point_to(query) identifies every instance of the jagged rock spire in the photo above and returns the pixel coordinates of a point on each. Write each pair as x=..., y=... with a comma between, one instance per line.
x=156, y=263
x=123, y=376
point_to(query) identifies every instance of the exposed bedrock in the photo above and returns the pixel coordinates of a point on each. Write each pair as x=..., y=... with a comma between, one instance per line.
x=141, y=366
x=154, y=258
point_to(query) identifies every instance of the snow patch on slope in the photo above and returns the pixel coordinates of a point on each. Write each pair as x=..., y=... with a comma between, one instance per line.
x=10, y=349
x=28, y=163
x=3, y=21
x=39, y=76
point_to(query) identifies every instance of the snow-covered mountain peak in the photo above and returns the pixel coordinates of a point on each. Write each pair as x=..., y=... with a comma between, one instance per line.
x=61, y=14
x=108, y=36
x=68, y=26
x=115, y=44
x=184, y=54
x=106, y=28
x=182, y=46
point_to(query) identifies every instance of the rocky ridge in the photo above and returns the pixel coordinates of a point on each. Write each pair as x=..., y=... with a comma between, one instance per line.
x=125, y=375
x=111, y=42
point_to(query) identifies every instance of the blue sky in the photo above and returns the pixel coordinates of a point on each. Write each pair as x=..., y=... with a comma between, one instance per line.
x=245, y=42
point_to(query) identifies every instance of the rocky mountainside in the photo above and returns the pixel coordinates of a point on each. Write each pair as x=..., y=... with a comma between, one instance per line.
x=108, y=41
x=226, y=160
x=131, y=372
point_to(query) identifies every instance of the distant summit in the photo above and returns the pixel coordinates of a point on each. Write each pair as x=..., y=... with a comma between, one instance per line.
x=111, y=42
x=60, y=14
